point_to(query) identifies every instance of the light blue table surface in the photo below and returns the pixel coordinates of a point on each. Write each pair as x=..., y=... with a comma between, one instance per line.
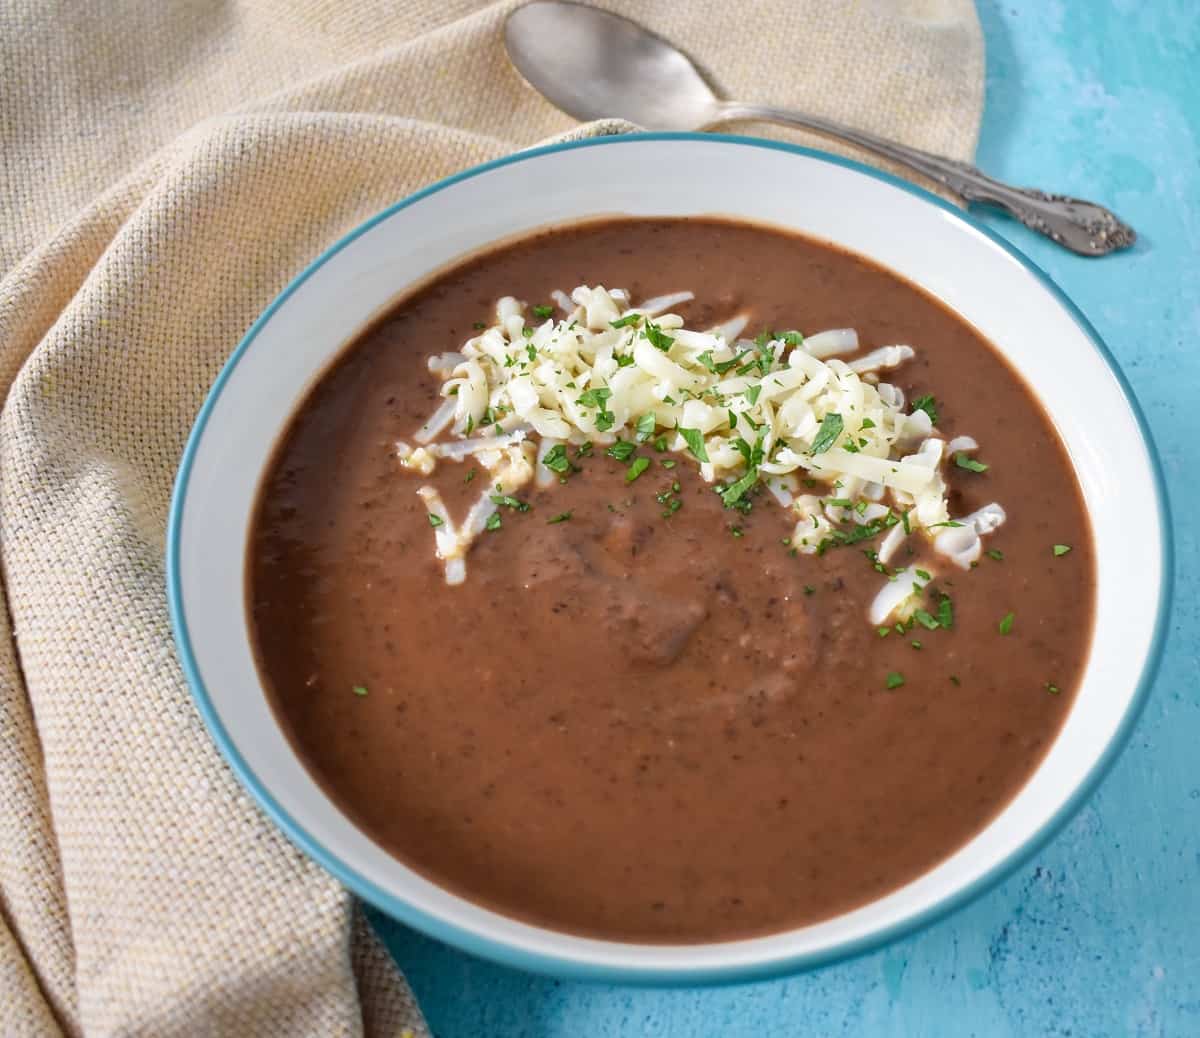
x=1100, y=933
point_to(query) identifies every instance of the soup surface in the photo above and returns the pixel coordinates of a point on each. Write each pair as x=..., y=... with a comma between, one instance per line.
x=649, y=723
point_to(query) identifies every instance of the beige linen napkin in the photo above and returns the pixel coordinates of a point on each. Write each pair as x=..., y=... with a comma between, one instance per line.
x=167, y=168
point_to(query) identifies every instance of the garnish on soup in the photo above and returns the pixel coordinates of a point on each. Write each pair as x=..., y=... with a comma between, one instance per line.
x=806, y=420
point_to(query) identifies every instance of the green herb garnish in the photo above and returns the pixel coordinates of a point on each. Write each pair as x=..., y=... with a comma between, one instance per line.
x=827, y=434
x=543, y=311
x=493, y=522
x=435, y=521
x=628, y=319
x=622, y=450
x=636, y=468
x=945, y=614
x=968, y=463
x=894, y=680
x=508, y=501
x=695, y=441
x=1061, y=549
x=645, y=427
x=928, y=405
x=556, y=459
x=594, y=397
x=359, y=690
x=659, y=339
x=562, y=517
x=734, y=492
x=1006, y=625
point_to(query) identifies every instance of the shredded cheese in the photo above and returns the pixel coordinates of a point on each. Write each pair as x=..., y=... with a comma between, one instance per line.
x=777, y=409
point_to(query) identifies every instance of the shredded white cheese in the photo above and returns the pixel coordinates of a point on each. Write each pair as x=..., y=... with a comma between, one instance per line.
x=777, y=410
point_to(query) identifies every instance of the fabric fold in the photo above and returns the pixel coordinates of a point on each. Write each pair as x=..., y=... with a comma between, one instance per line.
x=167, y=172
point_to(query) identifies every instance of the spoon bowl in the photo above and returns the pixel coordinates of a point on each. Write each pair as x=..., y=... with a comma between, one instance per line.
x=595, y=65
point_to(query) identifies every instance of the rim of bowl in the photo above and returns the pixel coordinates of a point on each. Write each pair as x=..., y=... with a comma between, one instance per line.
x=497, y=951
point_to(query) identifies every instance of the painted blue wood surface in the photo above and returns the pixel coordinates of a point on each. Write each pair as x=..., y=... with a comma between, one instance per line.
x=1100, y=934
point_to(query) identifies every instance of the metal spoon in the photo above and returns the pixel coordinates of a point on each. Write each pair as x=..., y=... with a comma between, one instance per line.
x=595, y=65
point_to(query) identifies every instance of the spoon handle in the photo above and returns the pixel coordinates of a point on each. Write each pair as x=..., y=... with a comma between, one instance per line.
x=1082, y=227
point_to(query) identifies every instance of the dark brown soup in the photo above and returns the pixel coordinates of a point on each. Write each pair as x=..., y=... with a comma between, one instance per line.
x=649, y=727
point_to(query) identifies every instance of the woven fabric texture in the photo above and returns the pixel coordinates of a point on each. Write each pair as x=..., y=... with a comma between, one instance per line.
x=167, y=168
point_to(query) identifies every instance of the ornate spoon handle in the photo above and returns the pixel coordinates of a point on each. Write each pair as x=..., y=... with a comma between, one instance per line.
x=1082, y=227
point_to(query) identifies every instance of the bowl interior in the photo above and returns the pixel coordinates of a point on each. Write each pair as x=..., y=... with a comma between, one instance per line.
x=905, y=230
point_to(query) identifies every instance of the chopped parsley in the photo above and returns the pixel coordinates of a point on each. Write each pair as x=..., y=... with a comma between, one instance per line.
x=543, y=311
x=556, y=459
x=636, y=468
x=926, y=620
x=659, y=339
x=624, y=360
x=667, y=463
x=1061, y=549
x=597, y=397
x=479, y=326
x=970, y=464
x=883, y=632
x=1052, y=688
x=734, y=492
x=867, y=424
x=562, y=517
x=359, y=690
x=493, y=522
x=645, y=427
x=737, y=531
x=954, y=680
x=508, y=501
x=695, y=441
x=928, y=405
x=894, y=680
x=435, y=520
x=470, y=476
x=628, y=319
x=996, y=554
x=916, y=644
x=584, y=450
x=1005, y=626
x=622, y=450
x=945, y=613
x=751, y=394
x=827, y=434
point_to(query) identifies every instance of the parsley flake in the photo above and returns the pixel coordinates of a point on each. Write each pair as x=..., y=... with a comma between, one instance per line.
x=636, y=468
x=435, y=520
x=1061, y=549
x=1005, y=626
x=827, y=434
x=562, y=517
x=969, y=463
x=928, y=405
x=556, y=459
x=695, y=441
x=894, y=680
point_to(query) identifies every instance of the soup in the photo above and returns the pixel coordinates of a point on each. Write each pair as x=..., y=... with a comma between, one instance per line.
x=621, y=704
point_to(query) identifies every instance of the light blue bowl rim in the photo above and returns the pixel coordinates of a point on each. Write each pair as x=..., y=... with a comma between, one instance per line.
x=473, y=943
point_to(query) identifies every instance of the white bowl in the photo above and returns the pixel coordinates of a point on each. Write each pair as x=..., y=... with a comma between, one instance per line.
x=991, y=285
